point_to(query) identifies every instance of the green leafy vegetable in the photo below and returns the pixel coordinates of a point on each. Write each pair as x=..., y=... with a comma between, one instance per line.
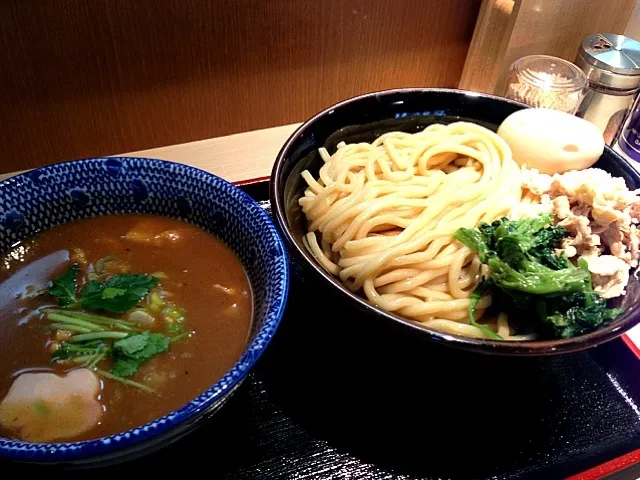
x=131, y=352
x=132, y=344
x=118, y=294
x=68, y=320
x=544, y=250
x=124, y=367
x=128, y=353
x=476, y=295
x=93, y=322
x=528, y=278
x=70, y=350
x=81, y=337
x=94, y=338
x=476, y=241
x=110, y=292
x=64, y=287
x=518, y=254
x=578, y=313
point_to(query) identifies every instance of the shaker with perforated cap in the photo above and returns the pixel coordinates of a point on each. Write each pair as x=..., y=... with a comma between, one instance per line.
x=612, y=65
x=543, y=81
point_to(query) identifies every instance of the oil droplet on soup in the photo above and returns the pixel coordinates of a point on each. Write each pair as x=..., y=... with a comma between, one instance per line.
x=111, y=322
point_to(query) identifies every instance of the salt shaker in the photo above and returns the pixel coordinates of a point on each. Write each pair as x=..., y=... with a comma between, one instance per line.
x=546, y=82
x=612, y=65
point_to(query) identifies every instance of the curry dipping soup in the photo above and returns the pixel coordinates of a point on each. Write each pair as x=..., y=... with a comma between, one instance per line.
x=111, y=322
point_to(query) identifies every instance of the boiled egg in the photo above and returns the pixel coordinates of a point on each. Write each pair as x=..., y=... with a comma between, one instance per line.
x=551, y=141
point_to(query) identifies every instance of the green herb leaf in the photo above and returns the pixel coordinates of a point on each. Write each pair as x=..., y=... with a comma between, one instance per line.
x=64, y=287
x=124, y=367
x=131, y=352
x=111, y=292
x=132, y=344
x=118, y=294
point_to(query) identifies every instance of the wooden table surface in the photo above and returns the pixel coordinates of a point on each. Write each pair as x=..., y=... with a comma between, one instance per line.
x=236, y=157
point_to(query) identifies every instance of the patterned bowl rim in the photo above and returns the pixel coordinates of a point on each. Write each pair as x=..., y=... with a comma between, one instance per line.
x=198, y=407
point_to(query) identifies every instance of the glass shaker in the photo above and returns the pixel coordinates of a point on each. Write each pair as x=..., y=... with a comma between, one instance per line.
x=546, y=82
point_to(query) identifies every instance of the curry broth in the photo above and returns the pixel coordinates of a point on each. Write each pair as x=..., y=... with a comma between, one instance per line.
x=204, y=277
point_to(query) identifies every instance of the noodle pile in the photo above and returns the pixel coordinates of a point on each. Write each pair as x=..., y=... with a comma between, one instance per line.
x=382, y=218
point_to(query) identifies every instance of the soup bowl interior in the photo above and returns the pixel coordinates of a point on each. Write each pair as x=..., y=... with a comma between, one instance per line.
x=363, y=119
x=62, y=193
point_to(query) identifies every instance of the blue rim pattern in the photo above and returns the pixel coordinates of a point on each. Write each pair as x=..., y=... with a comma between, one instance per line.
x=56, y=194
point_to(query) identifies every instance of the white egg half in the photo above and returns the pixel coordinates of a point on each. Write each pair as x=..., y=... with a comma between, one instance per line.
x=551, y=141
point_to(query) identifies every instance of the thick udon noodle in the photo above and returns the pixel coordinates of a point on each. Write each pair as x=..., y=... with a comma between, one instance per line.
x=382, y=216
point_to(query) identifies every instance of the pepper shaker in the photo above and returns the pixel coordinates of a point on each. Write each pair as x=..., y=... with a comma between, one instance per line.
x=612, y=65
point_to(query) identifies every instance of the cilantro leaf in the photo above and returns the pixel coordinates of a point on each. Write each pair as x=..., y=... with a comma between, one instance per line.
x=118, y=294
x=111, y=292
x=152, y=344
x=64, y=287
x=131, y=352
x=124, y=367
x=132, y=344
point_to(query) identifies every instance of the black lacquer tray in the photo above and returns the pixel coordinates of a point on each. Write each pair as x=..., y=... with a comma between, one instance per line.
x=334, y=398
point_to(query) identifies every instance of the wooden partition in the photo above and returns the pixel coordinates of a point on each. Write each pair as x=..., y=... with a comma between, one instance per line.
x=94, y=77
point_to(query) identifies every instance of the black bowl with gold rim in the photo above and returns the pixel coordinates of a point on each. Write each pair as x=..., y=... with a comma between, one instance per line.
x=364, y=118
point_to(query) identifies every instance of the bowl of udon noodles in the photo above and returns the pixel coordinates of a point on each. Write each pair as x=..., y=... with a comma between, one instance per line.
x=421, y=208
x=137, y=294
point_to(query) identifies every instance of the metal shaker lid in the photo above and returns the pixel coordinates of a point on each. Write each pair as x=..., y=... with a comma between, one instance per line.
x=611, y=60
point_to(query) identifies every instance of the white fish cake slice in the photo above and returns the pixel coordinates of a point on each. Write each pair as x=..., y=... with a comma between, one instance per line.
x=43, y=407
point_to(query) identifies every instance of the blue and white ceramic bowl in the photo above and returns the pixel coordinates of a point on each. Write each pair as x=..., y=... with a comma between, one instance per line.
x=61, y=193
